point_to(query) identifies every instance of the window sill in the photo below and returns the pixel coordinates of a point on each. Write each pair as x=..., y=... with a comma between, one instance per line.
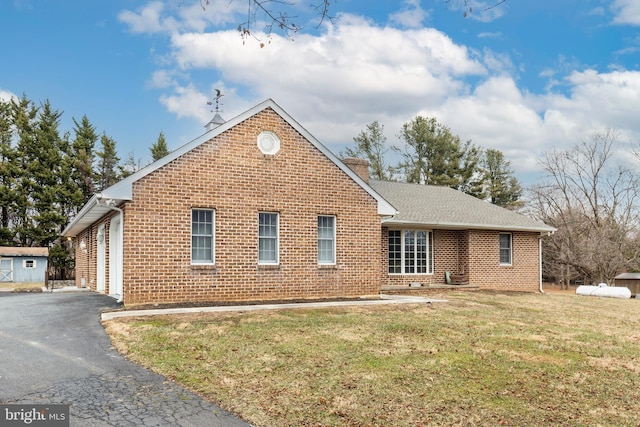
x=327, y=267
x=267, y=267
x=410, y=274
x=203, y=267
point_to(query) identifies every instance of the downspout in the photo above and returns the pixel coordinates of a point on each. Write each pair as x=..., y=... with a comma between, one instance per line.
x=540, y=263
x=111, y=204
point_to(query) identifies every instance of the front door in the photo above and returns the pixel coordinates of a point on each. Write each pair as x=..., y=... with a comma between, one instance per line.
x=6, y=270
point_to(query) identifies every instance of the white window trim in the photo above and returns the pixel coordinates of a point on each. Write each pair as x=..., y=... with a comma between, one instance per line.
x=277, y=260
x=335, y=226
x=213, y=237
x=430, y=257
x=510, y=263
x=24, y=264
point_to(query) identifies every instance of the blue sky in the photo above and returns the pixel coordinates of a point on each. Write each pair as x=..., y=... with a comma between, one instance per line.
x=524, y=77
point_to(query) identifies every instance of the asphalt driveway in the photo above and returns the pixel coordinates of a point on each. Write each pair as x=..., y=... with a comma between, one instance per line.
x=54, y=350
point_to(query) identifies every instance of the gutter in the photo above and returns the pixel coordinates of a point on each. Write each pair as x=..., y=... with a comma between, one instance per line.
x=540, y=263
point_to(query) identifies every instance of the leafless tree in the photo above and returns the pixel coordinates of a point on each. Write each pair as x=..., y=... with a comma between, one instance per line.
x=592, y=201
x=275, y=15
x=468, y=9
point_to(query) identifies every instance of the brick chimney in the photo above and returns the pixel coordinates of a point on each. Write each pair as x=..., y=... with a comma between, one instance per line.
x=359, y=166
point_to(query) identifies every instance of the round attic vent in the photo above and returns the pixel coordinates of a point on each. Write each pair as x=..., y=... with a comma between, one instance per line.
x=268, y=142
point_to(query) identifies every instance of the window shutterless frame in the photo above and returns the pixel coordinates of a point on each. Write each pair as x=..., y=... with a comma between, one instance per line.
x=506, y=249
x=268, y=238
x=203, y=236
x=410, y=252
x=326, y=239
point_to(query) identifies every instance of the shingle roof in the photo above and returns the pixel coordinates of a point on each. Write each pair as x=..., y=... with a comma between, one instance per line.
x=28, y=251
x=446, y=208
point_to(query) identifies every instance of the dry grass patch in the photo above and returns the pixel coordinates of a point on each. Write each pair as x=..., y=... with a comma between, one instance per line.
x=482, y=359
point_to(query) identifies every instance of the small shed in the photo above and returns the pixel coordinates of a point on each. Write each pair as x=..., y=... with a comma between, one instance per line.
x=629, y=280
x=23, y=265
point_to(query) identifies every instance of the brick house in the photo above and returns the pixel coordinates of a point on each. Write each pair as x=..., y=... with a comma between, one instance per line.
x=258, y=209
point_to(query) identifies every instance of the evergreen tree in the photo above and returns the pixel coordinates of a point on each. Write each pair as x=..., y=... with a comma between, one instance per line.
x=82, y=156
x=8, y=174
x=106, y=173
x=130, y=166
x=370, y=144
x=159, y=149
x=45, y=177
x=23, y=115
x=502, y=188
x=434, y=156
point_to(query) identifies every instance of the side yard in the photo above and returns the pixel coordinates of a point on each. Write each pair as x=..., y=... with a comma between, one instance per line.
x=484, y=358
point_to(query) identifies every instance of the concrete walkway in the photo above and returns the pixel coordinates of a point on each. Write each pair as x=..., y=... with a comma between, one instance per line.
x=384, y=300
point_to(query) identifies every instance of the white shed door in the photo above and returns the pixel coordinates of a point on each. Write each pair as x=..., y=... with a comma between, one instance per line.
x=6, y=270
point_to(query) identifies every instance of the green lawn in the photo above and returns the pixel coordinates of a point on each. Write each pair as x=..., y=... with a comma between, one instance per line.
x=482, y=359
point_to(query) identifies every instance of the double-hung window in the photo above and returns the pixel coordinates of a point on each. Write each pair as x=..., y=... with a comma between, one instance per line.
x=506, y=249
x=268, y=230
x=326, y=239
x=202, y=236
x=410, y=252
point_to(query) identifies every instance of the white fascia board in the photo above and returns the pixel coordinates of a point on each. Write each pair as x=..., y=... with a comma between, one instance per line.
x=462, y=226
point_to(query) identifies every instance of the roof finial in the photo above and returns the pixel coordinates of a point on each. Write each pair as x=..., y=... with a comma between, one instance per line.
x=217, y=118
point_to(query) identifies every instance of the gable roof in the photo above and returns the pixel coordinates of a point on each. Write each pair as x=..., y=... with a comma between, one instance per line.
x=24, y=251
x=100, y=204
x=446, y=208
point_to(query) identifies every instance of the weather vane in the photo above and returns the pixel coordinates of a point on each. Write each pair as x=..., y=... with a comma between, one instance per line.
x=217, y=101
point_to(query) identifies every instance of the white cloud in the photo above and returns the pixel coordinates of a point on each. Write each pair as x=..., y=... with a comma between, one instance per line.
x=352, y=74
x=626, y=12
x=170, y=17
x=148, y=19
x=489, y=35
x=6, y=95
x=355, y=72
x=412, y=15
x=187, y=102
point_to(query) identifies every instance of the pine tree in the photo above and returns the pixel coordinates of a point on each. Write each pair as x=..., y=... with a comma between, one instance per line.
x=130, y=166
x=83, y=157
x=370, y=144
x=435, y=156
x=23, y=115
x=45, y=177
x=159, y=149
x=502, y=188
x=8, y=174
x=106, y=173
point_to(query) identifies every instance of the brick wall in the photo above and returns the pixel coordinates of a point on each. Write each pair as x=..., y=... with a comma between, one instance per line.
x=86, y=260
x=231, y=175
x=484, y=261
x=476, y=253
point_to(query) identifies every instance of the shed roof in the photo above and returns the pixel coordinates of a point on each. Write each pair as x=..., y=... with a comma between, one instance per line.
x=629, y=276
x=23, y=251
x=446, y=208
x=102, y=203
